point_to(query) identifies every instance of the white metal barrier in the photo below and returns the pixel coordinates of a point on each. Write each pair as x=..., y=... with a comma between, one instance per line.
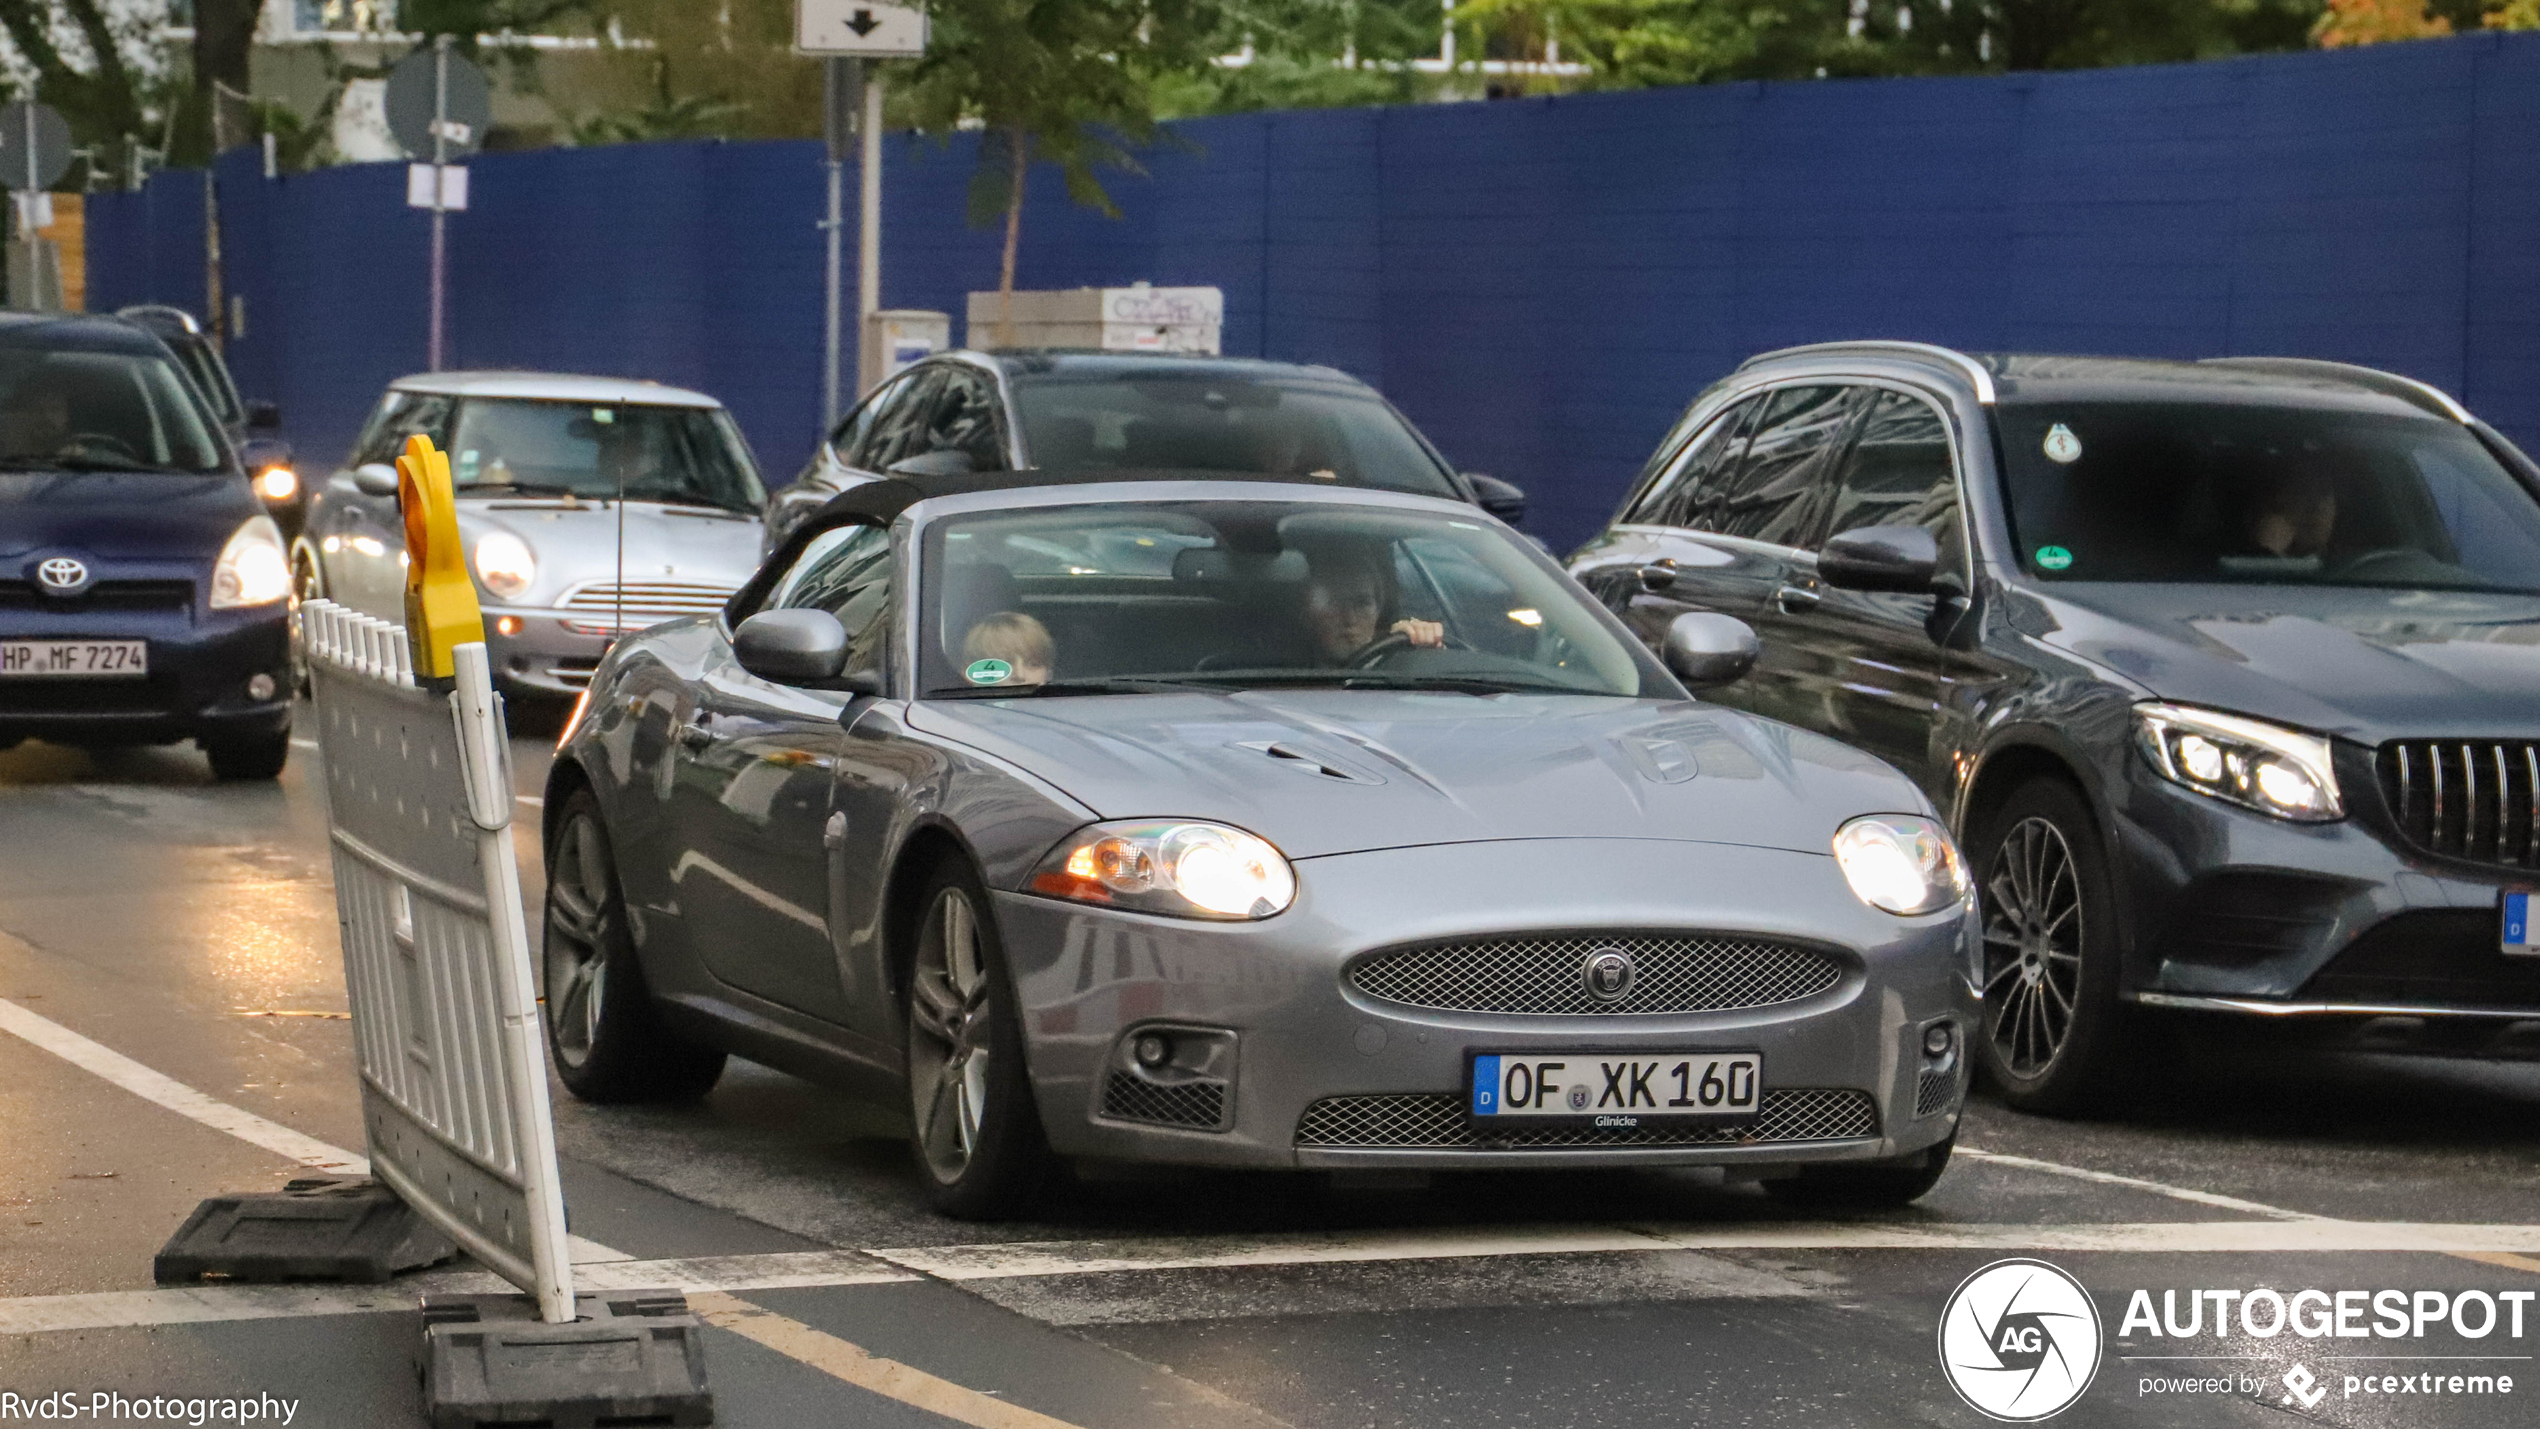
x=436, y=955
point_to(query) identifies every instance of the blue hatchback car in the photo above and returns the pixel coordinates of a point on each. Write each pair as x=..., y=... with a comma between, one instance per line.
x=143, y=589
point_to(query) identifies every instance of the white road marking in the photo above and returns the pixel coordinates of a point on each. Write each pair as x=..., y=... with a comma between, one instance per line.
x=127, y=1309
x=304, y=744
x=124, y=1309
x=1006, y=1262
x=177, y=1097
x=532, y=800
x=2135, y=1183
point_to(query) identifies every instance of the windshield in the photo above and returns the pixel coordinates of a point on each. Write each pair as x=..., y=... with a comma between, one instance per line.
x=204, y=366
x=1193, y=419
x=1253, y=594
x=65, y=409
x=2185, y=492
x=689, y=455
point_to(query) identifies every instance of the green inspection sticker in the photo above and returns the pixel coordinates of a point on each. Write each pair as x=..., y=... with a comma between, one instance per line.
x=2052, y=558
x=988, y=672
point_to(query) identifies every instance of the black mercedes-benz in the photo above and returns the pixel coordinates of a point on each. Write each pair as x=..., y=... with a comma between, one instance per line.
x=2226, y=673
x=143, y=589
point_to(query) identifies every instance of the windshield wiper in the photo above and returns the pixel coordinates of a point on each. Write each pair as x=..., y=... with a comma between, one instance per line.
x=74, y=462
x=1383, y=680
x=685, y=499
x=524, y=488
x=1119, y=685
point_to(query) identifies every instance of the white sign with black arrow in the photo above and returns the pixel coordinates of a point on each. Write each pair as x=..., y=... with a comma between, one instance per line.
x=854, y=28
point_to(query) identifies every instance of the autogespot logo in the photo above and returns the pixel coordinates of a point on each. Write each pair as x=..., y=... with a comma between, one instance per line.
x=2019, y=1340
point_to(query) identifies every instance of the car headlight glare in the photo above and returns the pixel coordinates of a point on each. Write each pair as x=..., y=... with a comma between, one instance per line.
x=1900, y=863
x=279, y=483
x=1188, y=870
x=2260, y=766
x=504, y=563
x=253, y=568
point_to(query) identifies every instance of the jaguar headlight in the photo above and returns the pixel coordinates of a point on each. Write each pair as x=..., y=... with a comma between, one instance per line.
x=504, y=563
x=1184, y=869
x=253, y=568
x=1900, y=863
x=2258, y=766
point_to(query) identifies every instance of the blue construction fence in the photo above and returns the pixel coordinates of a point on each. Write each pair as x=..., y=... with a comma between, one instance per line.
x=1540, y=284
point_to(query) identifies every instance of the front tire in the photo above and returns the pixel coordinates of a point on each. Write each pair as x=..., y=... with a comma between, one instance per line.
x=2052, y=1022
x=1865, y=1185
x=607, y=1039
x=248, y=758
x=979, y=1146
x=308, y=583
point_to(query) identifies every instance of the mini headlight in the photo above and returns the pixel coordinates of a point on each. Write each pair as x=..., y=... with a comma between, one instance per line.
x=279, y=483
x=1188, y=870
x=253, y=568
x=1900, y=863
x=504, y=563
x=2258, y=766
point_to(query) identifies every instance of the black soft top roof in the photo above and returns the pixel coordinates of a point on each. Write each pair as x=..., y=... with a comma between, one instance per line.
x=879, y=503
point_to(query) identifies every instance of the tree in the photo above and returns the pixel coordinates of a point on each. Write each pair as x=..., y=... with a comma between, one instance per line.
x=1069, y=82
x=98, y=88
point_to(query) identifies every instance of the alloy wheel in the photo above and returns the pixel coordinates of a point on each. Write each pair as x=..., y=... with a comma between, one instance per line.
x=949, y=1036
x=578, y=902
x=2032, y=946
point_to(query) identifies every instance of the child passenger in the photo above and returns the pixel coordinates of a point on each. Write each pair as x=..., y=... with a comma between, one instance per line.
x=1016, y=639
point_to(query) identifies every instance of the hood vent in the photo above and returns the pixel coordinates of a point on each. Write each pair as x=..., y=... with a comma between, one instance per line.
x=1291, y=757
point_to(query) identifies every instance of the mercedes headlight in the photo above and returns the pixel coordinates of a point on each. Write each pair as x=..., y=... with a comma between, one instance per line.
x=1900, y=863
x=504, y=563
x=2258, y=766
x=253, y=568
x=1188, y=870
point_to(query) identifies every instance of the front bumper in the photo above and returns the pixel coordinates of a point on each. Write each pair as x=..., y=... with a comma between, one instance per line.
x=2239, y=913
x=1316, y=1073
x=550, y=653
x=200, y=664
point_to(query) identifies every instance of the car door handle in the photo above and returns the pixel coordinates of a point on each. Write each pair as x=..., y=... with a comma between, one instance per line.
x=697, y=733
x=833, y=834
x=1658, y=576
x=1793, y=599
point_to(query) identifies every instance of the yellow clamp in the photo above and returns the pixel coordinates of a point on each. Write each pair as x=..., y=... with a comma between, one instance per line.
x=441, y=611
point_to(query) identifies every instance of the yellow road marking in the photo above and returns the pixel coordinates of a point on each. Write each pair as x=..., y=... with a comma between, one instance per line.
x=864, y=1369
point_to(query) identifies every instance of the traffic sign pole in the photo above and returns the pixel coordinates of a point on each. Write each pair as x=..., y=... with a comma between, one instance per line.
x=849, y=34
x=868, y=268
x=440, y=213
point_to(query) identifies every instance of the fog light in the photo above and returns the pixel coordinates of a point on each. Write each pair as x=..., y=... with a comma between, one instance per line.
x=507, y=625
x=1938, y=1039
x=1152, y=1050
x=260, y=687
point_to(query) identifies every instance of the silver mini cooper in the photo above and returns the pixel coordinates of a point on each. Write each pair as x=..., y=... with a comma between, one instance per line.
x=540, y=461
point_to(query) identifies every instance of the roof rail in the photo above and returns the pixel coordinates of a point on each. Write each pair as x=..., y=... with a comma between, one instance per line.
x=2390, y=384
x=1975, y=372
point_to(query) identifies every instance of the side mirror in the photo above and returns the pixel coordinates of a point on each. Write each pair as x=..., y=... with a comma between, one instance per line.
x=791, y=647
x=1707, y=650
x=944, y=461
x=263, y=417
x=1503, y=499
x=1896, y=558
x=375, y=478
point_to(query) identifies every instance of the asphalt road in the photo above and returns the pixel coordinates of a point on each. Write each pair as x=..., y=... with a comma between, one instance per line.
x=189, y=928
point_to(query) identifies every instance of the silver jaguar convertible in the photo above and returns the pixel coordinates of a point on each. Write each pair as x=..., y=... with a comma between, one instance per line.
x=1245, y=824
